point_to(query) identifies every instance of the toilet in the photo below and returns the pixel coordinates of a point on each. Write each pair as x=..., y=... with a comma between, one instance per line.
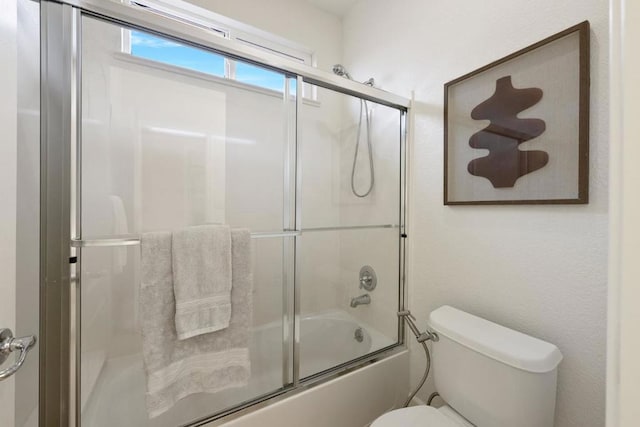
x=488, y=376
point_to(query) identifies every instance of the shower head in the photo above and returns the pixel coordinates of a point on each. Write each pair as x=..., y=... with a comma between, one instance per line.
x=341, y=71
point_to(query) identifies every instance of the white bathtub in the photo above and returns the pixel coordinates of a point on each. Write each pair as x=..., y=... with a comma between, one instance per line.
x=326, y=339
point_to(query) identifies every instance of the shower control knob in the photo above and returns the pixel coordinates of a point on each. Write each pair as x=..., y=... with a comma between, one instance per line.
x=368, y=279
x=365, y=280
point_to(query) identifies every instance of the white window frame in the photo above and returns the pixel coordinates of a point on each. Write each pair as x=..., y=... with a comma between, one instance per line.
x=227, y=28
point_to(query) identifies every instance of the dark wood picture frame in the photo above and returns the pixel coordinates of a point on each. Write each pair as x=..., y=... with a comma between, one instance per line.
x=583, y=30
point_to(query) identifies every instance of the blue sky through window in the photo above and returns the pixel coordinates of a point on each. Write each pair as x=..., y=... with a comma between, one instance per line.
x=257, y=76
x=167, y=51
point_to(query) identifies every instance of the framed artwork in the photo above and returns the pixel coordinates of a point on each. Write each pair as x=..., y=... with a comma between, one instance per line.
x=517, y=130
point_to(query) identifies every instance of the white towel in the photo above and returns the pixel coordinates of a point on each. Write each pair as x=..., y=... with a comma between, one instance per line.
x=202, y=279
x=205, y=363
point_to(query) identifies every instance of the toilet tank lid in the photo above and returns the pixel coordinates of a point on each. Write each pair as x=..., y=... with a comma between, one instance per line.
x=495, y=341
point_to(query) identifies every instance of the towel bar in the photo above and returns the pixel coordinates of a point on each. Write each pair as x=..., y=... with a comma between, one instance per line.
x=135, y=239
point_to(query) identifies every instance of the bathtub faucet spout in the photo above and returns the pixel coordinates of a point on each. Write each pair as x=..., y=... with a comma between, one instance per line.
x=361, y=300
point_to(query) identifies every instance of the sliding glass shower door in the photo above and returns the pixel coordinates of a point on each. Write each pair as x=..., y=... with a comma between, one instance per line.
x=149, y=129
x=348, y=255
x=166, y=144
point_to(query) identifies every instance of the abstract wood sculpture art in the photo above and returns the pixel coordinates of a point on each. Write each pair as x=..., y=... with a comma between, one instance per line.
x=505, y=162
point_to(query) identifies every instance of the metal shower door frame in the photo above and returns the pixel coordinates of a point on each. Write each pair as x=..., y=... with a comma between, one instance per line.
x=61, y=236
x=58, y=298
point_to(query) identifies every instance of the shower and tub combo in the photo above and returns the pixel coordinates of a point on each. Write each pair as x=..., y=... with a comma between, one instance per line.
x=119, y=396
x=134, y=146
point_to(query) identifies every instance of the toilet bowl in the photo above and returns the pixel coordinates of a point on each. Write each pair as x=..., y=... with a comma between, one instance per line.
x=422, y=416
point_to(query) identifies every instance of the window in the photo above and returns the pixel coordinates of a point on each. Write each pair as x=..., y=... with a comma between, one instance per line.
x=159, y=49
x=257, y=76
x=156, y=48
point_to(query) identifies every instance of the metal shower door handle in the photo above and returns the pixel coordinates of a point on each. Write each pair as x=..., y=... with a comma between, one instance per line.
x=9, y=344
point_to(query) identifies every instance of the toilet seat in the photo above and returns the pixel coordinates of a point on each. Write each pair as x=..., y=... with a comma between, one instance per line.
x=415, y=416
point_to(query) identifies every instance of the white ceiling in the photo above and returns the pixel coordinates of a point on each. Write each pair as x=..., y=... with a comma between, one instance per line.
x=337, y=7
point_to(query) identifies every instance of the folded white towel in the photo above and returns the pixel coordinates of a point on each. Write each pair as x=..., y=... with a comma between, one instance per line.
x=205, y=363
x=202, y=279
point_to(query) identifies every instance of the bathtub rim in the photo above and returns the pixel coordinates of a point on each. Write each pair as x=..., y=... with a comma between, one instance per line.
x=305, y=384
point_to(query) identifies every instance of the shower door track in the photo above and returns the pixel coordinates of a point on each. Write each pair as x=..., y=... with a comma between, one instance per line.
x=61, y=239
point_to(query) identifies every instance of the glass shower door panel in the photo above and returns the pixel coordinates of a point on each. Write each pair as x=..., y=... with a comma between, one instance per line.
x=166, y=146
x=350, y=152
x=113, y=376
x=332, y=330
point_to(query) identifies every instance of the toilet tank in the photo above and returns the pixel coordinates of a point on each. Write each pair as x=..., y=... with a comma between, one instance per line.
x=492, y=375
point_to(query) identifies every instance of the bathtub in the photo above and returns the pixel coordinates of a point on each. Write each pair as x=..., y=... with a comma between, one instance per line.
x=327, y=339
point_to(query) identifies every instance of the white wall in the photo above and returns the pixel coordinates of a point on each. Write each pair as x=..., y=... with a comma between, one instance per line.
x=623, y=380
x=8, y=169
x=295, y=20
x=538, y=269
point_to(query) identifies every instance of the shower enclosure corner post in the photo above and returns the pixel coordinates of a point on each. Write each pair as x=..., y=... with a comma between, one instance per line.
x=288, y=291
x=298, y=225
x=58, y=379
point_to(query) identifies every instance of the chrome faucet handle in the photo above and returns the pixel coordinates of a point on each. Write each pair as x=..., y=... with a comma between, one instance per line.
x=367, y=278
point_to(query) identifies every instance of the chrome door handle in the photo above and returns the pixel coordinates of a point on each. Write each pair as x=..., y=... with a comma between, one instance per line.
x=9, y=344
